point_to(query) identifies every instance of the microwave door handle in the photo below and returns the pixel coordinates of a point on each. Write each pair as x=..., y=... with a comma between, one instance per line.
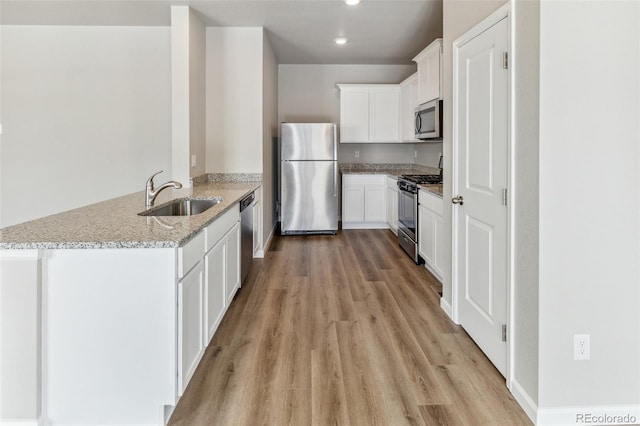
x=418, y=123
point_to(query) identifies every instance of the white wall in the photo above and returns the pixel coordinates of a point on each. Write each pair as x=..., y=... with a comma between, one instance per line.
x=187, y=93
x=86, y=115
x=524, y=194
x=589, y=223
x=308, y=93
x=233, y=103
x=197, y=94
x=270, y=131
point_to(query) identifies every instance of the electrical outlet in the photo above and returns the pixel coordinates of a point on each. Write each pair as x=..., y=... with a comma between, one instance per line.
x=193, y=161
x=581, y=347
x=415, y=153
x=357, y=153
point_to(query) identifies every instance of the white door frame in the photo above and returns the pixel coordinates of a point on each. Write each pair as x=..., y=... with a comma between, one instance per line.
x=500, y=14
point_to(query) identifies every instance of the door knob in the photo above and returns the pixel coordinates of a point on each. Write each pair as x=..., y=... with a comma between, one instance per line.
x=458, y=200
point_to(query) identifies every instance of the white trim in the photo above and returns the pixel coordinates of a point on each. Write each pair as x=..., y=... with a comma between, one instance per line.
x=265, y=246
x=504, y=12
x=526, y=402
x=365, y=225
x=446, y=307
x=35, y=422
x=431, y=270
x=569, y=415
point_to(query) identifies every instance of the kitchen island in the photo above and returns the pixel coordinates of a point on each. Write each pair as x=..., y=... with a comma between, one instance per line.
x=106, y=314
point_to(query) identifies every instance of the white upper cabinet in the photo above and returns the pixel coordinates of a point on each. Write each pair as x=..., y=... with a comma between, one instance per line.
x=354, y=114
x=369, y=113
x=409, y=102
x=429, y=72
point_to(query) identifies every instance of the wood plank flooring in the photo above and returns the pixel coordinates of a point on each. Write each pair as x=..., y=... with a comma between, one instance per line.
x=343, y=330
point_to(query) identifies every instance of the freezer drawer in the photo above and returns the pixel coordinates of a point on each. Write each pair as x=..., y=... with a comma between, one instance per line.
x=308, y=141
x=309, y=197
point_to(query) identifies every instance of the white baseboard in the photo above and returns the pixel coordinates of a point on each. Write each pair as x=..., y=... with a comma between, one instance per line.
x=365, y=225
x=34, y=422
x=525, y=401
x=589, y=415
x=265, y=246
x=446, y=307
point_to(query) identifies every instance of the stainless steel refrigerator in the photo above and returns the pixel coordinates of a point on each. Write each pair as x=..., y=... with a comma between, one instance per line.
x=308, y=178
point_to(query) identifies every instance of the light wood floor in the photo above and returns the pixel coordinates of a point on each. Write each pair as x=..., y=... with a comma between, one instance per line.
x=343, y=330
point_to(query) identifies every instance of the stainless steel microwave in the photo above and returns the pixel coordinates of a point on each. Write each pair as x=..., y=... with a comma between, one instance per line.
x=429, y=121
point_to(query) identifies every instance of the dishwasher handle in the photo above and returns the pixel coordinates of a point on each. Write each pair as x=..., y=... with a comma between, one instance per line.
x=246, y=201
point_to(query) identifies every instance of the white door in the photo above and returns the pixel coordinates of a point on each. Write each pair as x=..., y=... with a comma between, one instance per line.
x=481, y=158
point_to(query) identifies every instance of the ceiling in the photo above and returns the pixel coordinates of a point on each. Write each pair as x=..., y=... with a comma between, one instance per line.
x=300, y=31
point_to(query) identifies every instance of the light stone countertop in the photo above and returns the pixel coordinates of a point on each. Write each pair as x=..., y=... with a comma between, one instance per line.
x=435, y=189
x=115, y=223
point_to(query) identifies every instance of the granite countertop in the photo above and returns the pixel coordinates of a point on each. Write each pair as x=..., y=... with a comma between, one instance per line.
x=115, y=223
x=434, y=189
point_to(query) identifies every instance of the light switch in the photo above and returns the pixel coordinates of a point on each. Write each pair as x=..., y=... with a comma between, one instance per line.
x=193, y=161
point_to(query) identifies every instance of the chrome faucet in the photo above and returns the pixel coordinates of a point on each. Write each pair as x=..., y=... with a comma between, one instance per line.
x=151, y=194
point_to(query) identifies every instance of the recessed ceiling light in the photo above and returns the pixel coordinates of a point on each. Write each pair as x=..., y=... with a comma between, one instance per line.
x=352, y=2
x=341, y=40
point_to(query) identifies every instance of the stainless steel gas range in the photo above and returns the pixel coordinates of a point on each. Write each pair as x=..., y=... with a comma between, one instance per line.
x=408, y=211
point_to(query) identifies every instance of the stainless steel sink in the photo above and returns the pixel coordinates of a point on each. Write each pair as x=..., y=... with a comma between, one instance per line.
x=183, y=207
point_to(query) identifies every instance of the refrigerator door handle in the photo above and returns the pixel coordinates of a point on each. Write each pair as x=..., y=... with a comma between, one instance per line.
x=335, y=143
x=335, y=179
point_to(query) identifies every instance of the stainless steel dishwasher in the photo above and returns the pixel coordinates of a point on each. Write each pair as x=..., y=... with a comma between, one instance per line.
x=246, y=235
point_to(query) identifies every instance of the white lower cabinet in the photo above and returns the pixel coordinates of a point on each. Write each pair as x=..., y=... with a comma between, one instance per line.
x=430, y=232
x=191, y=342
x=392, y=204
x=364, y=202
x=232, y=267
x=205, y=292
x=215, y=293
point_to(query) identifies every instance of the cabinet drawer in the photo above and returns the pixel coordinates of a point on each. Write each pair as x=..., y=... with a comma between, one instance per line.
x=219, y=227
x=430, y=201
x=190, y=254
x=364, y=179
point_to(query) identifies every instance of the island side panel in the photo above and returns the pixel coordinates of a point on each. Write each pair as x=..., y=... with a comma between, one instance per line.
x=20, y=335
x=109, y=335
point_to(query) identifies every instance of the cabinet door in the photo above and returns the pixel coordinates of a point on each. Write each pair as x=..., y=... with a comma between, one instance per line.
x=438, y=263
x=374, y=203
x=215, y=295
x=426, y=234
x=190, y=324
x=409, y=101
x=232, y=262
x=353, y=203
x=385, y=114
x=389, y=207
x=354, y=114
x=429, y=66
x=432, y=90
x=392, y=209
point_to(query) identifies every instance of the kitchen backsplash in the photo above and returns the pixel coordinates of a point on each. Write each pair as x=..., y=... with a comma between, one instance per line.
x=389, y=166
x=227, y=177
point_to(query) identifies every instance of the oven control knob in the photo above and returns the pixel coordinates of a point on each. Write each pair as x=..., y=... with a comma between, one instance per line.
x=458, y=200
